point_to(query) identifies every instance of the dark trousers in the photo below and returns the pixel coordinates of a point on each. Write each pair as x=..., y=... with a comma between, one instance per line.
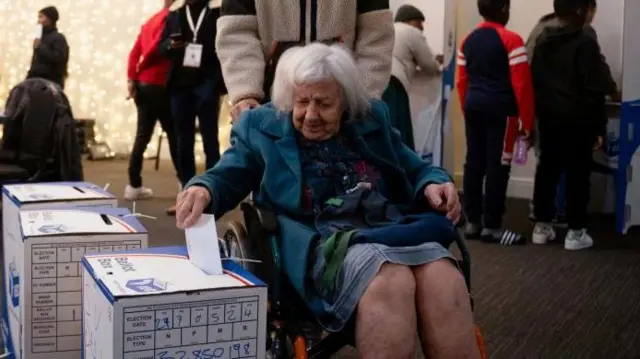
x=152, y=103
x=485, y=134
x=187, y=103
x=563, y=150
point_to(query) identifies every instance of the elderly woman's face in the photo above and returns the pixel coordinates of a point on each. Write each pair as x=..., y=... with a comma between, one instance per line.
x=317, y=110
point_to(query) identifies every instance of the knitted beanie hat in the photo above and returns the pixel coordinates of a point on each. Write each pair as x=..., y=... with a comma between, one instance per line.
x=408, y=13
x=52, y=13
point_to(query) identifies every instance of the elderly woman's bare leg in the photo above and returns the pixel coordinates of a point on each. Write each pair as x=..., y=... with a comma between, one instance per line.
x=444, y=311
x=386, y=316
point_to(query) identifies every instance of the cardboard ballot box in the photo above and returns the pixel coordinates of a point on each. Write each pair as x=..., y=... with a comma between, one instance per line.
x=42, y=313
x=32, y=197
x=19, y=197
x=55, y=194
x=156, y=303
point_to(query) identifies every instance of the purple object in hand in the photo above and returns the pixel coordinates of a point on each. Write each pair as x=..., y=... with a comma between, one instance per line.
x=522, y=151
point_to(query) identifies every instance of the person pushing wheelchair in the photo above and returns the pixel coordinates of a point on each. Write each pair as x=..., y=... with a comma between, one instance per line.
x=365, y=224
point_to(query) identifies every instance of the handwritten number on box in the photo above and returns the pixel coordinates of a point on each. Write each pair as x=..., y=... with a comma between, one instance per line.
x=237, y=349
x=231, y=316
x=215, y=317
x=162, y=324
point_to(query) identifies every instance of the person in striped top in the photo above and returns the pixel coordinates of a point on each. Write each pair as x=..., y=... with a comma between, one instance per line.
x=496, y=94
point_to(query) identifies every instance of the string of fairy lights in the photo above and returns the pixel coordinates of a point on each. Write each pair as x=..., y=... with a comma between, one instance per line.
x=100, y=35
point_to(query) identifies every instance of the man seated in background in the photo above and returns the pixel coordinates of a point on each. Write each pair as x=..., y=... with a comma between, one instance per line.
x=410, y=52
x=252, y=34
x=551, y=21
x=496, y=94
x=147, y=76
x=570, y=81
x=50, y=50
x=195, y=80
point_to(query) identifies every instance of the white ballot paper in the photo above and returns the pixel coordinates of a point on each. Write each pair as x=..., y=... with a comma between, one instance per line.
x=202, y=245
x=38, y=31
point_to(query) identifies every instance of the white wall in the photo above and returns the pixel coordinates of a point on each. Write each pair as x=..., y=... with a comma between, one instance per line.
x=609, y=25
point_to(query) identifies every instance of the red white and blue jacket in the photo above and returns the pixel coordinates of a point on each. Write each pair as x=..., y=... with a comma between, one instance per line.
x=494, y=75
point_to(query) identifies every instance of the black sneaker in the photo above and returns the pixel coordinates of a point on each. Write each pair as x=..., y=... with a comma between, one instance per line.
x=502, y=236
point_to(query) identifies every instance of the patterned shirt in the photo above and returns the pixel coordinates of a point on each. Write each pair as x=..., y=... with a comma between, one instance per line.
x=331, y=168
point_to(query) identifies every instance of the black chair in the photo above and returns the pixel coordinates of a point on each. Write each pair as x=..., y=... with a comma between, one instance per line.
x=288, y=318
x=27, y=151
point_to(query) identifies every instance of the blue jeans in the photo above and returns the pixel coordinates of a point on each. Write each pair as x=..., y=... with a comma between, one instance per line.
x=187, y=103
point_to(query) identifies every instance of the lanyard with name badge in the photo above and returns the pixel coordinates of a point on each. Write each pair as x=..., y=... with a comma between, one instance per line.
x=193, y=52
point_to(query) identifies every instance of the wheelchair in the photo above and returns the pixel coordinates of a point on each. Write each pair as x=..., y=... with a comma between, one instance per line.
x=292, y=331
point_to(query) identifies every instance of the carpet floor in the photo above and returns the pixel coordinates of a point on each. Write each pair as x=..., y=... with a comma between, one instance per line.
x=531, y=301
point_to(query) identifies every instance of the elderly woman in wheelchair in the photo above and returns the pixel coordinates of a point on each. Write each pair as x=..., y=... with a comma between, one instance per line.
x=364, y=223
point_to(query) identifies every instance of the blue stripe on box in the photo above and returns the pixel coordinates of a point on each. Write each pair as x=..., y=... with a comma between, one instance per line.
x=236, y=269
x=230, y=267
x=6, y=329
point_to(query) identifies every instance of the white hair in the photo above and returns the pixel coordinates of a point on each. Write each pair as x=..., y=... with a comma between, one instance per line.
x=318, y=62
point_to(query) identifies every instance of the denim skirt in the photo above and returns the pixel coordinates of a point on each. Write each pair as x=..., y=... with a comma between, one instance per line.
x=362, y=263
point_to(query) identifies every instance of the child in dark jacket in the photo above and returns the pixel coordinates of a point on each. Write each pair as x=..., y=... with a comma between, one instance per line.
x=570, y=85
x=497, y=99
x=550, y=21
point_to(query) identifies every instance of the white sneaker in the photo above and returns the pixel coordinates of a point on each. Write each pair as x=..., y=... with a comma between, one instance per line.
x=543, y=233
x=135, y=194
x=577, y=240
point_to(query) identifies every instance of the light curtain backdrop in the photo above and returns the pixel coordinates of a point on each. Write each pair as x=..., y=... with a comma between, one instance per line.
x=100, y=35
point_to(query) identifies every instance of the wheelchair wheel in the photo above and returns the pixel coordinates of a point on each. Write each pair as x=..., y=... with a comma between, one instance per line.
x=237, y=245
x=481, y=343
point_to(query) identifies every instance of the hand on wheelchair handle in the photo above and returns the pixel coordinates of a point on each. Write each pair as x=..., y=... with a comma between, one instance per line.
x=241, y=106
x=190, y=205
x=444, y=198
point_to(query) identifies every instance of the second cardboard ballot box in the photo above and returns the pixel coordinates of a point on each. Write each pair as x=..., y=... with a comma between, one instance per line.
x=43, y=301
x=55, y=195
x=156, y=304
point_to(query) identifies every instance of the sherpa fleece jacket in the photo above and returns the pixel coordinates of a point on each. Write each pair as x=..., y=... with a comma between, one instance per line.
x=252, y=34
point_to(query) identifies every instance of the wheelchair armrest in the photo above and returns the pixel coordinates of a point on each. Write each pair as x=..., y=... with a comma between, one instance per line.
x=267, y=218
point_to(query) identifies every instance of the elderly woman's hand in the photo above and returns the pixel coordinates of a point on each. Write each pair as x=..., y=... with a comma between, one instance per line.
x=191, y=203
x=444, y=198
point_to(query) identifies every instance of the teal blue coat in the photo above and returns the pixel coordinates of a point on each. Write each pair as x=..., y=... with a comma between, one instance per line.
x=264, y=159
